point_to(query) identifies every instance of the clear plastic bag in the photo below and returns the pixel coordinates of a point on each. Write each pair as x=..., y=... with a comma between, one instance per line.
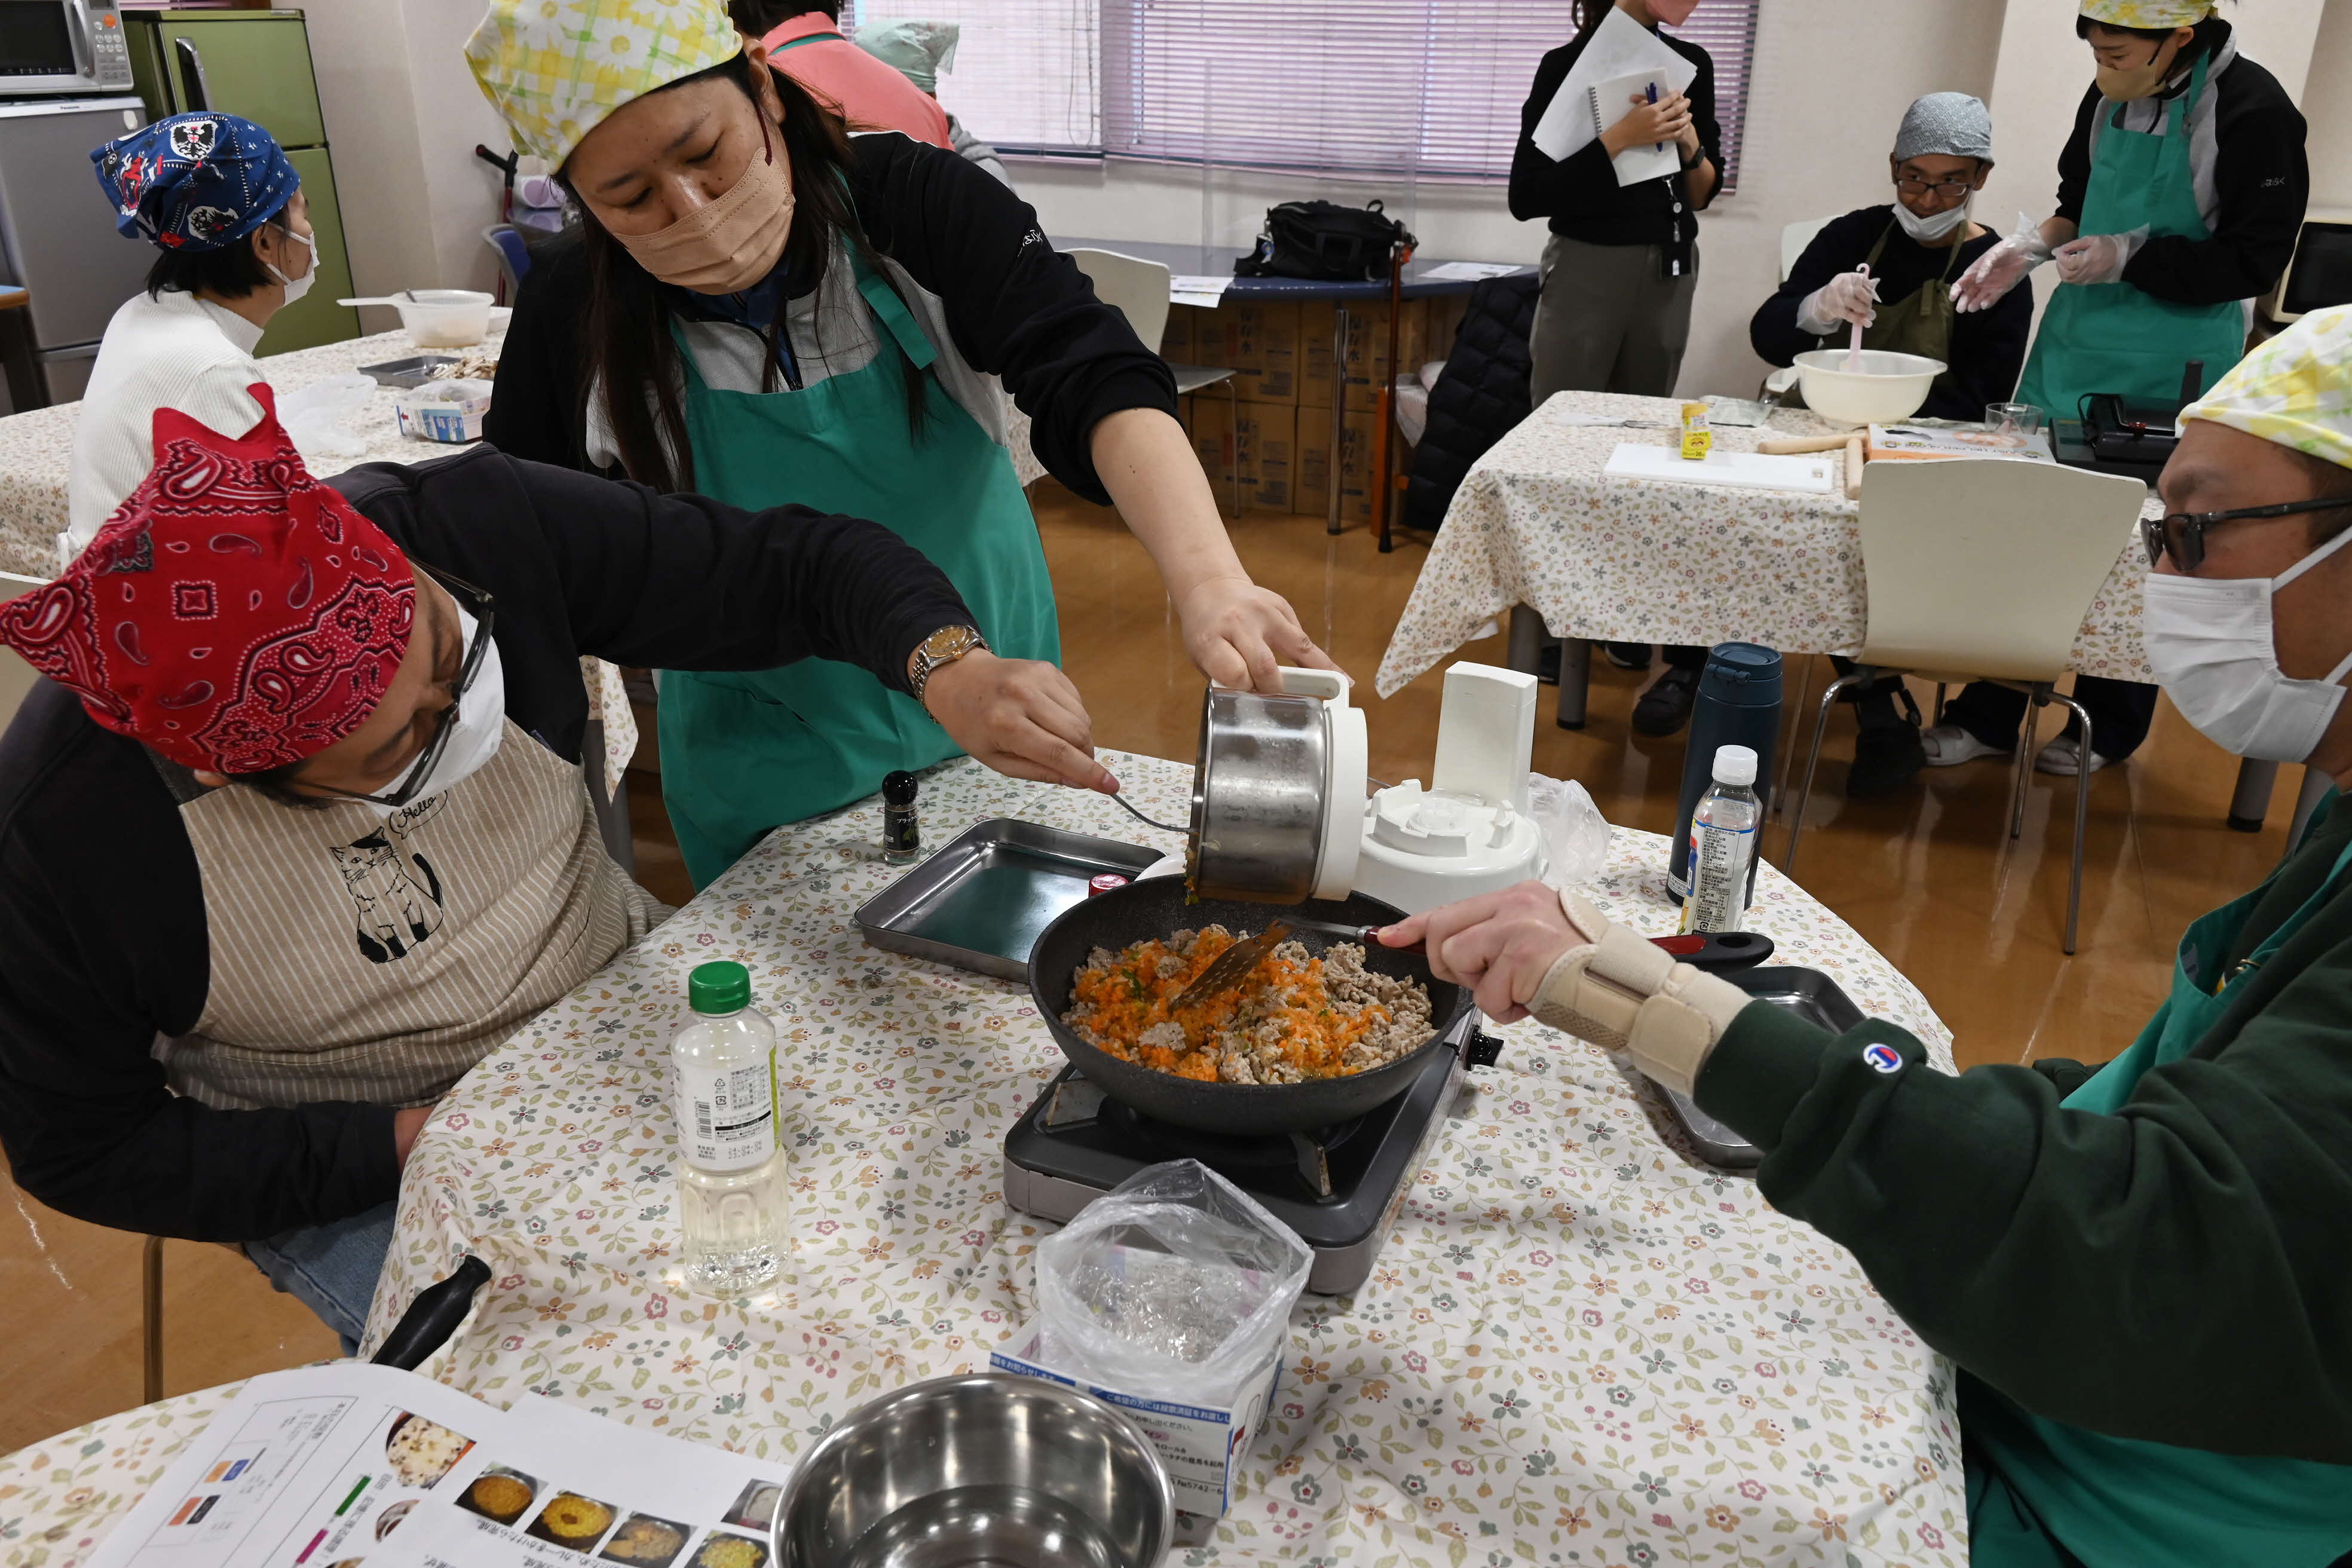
x=1576, y=836
x=1175, y=1284
x=313, y=417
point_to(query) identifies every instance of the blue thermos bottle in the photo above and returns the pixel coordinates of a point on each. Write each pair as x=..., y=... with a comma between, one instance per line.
x=1739, y=705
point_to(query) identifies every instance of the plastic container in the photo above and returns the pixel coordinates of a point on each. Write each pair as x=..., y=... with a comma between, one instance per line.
x=731, y=1197
x=1888, y=387
x=445, y=318
x=447, y=411
x=1739, y=704
x=1723, y=844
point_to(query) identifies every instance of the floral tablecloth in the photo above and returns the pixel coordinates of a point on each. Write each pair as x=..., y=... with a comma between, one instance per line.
x=36, y=452
x=59, y=1498
x=1536, y=523
x=1579, y=1347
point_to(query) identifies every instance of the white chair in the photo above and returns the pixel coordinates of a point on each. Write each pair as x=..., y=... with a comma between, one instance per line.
x=1982, y=569
x=1139, y=290
x=1795, y=238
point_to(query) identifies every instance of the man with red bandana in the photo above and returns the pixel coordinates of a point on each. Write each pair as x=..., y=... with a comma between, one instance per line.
x=294, y=831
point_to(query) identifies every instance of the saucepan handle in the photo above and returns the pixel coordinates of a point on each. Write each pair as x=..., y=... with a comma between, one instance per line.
x=1719, y=951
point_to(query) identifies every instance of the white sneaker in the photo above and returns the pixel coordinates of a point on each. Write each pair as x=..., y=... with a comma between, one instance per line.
x=1948, y=744
x=2064, y=757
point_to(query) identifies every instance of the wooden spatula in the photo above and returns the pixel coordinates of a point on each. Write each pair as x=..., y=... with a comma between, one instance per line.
x=1229, y=968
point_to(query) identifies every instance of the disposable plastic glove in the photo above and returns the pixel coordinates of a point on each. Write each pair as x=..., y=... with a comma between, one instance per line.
x=1848, y=296
x=2099, y=257
x=2001, y=269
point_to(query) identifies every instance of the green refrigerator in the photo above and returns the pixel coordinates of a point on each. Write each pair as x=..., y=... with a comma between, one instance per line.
x=256, y=65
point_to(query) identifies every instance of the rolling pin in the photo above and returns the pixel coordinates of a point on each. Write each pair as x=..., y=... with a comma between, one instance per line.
x=1794, y=446
x=1853, y=460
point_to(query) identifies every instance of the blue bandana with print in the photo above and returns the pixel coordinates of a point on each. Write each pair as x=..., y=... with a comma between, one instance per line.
x=195, y=182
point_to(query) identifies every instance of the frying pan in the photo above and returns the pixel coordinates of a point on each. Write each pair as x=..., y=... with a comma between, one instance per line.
x=1155, y=907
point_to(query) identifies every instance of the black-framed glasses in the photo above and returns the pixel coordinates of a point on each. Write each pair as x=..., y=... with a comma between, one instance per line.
x=1950, y=190
x=479, y=604
x=2181, y=535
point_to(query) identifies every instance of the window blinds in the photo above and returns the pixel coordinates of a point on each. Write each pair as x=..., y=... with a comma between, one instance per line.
x=1025, y=72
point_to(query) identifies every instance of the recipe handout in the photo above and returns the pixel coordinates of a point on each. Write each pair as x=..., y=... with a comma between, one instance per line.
x=352, y=1465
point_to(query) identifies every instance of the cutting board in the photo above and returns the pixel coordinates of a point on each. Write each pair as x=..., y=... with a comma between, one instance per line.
x=1812, y=475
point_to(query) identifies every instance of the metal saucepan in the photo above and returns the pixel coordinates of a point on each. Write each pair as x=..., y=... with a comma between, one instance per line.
x=1156, y=908
x=1277, y=792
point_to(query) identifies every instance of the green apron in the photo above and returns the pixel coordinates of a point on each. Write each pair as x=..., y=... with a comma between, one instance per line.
x=1920, y=324
x=2152, y=1505
x=743, y=753
x=2117, y=337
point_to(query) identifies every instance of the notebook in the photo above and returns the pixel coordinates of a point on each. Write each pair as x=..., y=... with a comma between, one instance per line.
x=1618, y=46
x=1612, y=101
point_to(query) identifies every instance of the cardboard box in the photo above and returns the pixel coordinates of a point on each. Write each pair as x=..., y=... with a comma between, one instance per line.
x=1176, y=342
x=1266, y=445
x=1202, y=1445
x=1310, y=490
x=1266, y=350
x=1368, y=368
x=1359, y=450
x=1310, y=485
x=1315, y=326
x=1208, y=419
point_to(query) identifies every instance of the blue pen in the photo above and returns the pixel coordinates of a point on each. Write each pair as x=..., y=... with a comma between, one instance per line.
x=1653, y=90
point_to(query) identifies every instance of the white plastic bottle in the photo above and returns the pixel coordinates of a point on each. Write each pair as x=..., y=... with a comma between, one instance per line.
x=731, y=1193
x=1722, y=844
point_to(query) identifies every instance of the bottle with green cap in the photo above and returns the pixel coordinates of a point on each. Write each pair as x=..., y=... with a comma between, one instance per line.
x=731, y=1190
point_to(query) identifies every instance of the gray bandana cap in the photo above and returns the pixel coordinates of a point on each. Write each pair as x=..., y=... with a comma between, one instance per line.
x=1947, y=124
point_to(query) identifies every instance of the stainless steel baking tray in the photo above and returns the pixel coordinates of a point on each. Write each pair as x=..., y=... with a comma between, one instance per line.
x=409, y=374
x=1810, y=996
x=980, y=902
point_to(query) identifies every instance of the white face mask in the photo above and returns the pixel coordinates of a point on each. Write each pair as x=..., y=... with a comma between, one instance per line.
x=474, y=735
x=1928, y=230
x=297, y=287
x=2209, y=640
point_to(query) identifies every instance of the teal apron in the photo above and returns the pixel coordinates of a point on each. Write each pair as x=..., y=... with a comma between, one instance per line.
x=743, y=753
x=2114, y=1500
x=2117, y=337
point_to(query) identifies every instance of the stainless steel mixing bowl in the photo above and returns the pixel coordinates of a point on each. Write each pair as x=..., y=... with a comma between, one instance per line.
x=963, y=1471
x=1260, y=791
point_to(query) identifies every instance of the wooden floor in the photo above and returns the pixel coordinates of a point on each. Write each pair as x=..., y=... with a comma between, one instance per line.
x=1928, y=875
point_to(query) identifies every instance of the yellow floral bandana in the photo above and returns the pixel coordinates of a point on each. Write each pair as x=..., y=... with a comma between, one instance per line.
x=554, y=68
x=2295, y=390
x=2147, y=13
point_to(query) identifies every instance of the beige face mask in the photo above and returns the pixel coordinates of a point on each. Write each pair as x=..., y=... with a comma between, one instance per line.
x=2130, y=84
x=732, y=242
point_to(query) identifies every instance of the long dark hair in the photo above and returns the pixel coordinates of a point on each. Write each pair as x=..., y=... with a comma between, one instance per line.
x=627, y=349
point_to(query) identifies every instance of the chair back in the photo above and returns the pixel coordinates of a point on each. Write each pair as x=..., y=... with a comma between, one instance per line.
x=1137, y=289
x=16, y=677
x=1795, y=238
x=514, y=258
x=1978, y=566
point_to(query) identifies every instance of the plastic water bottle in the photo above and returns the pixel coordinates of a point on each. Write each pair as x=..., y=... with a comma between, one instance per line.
x=731, y=1194
x=1739, y=704
x=1722, y=844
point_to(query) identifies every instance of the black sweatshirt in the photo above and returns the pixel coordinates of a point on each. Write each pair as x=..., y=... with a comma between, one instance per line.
x=102, y=909
x=2258, y=173
x=1580, y=192
x=1017, y=308
x=1987, y=347
x=2173, y=1273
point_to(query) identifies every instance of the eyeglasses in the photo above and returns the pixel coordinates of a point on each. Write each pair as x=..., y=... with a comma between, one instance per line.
x=2181, y=535
x=477, y=603
x=1950, y=190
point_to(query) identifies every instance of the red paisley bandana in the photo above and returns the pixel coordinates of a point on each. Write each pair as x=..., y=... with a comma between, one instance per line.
x=234, y=614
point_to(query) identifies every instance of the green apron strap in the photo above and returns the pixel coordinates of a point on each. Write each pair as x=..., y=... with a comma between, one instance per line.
x=892, y=312
x=809, y=38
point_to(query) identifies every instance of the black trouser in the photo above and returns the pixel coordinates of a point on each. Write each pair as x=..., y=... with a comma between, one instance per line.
x=1873, y=703
x=2120, y=713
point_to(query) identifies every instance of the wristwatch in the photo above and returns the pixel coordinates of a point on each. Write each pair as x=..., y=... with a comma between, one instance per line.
x=942, y=649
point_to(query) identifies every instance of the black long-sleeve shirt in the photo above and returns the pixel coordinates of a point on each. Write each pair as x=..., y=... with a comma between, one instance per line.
x=101, y=906
x=1988, y=348
x=1015, y=307
x=1580, y=192
x=2172, y=1273
x=2246, y=152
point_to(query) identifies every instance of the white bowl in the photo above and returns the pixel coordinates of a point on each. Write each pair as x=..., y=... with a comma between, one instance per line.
x=1888, y=387
x=445, y=318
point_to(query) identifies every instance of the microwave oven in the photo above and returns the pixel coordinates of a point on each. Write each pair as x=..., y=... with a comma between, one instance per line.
x=62, y=47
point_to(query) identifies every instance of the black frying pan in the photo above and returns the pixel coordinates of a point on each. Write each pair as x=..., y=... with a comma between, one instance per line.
x=1155, y=907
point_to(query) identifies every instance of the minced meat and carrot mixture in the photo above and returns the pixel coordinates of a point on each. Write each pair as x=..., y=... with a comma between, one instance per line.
x=1295, y=1018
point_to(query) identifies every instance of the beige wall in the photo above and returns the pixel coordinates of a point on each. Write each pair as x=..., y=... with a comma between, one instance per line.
x=403, y=116
x=2331, y=111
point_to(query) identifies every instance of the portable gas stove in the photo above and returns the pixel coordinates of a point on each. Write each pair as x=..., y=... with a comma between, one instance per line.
x=1340, y=1188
